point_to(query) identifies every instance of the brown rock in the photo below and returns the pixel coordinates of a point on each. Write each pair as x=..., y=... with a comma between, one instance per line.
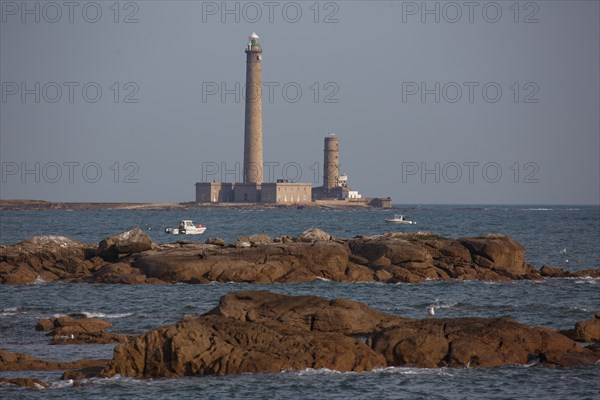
x=24, y=362
x=303, y=312
x=216, y=241
x=359, y=273
x=69, y=330
x=119, y=272
x=216, y=345
x=284, y=239
x=588, y=330
x=393, y=257
x=270, y=263
x=84, y=373
x=41, y=257
x=595, y=349
x=132, y=241
x=476, y=342
x=397, y=251
x=26, y=382
x=22, y=274
x=314, y=235
x=44, y=325
x=505, y=255
x=592, y=273
x=267, y=332
x=256, y=239
x=551, y=272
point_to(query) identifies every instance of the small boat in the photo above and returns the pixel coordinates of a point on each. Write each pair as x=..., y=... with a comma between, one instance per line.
x=399, y=219
x=186, y=227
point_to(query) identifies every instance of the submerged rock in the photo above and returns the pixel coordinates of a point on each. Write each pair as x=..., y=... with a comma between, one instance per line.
x=68, y=330
x=26, y=382
x=266, y=332
x=24, y=362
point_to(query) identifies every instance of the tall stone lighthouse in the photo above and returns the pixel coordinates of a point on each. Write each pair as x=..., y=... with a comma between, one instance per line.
x=253, y=147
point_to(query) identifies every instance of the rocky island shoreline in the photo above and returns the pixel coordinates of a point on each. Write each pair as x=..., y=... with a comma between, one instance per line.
x=264, y=332
x=132, y=258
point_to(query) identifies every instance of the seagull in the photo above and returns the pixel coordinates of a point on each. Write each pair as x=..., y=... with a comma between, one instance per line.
x=563, y=251
x=431, y=311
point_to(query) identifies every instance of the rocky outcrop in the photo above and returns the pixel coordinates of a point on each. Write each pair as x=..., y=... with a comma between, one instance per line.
x=132, y=241
x=314, y=235
x=393, y=257
x=587, y=331
x=293, y=262
x=551, y=272
x=69, y=330
x=24, y=362
x=476, y=342
x=254, y=240
x=45, y=258
x=266, y=332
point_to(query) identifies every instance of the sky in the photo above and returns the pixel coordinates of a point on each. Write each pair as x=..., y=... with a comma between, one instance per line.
x=433, y=102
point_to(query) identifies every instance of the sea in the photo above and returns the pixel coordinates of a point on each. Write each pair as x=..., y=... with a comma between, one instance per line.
x=562, y=236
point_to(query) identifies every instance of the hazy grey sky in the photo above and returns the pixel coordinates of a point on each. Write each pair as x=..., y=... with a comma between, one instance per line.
x=415, y=102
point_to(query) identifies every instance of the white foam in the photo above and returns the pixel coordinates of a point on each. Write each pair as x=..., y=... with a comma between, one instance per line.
x=103, y=315
x=38, y=281
x=62, y=384
x=318, y=371
x=414, y=371
x=449, y=305
x=587, y=279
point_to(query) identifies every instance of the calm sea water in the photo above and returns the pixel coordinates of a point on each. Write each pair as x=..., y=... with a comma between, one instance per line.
x=543, y=230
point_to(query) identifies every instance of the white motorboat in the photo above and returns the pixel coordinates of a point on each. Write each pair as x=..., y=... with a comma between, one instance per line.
x=186, y=227
x=399, y=219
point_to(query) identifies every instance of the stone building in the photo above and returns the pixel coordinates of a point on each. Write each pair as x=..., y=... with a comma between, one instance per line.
x=283, y=192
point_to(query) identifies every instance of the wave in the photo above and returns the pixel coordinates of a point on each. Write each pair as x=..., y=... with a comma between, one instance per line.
x=62, y=384
x=317, y=371
x=588, y=280
x=86, y=314
x=8, y=311
x=449, y=305
x=38, y=281
x=578, y=279
x=105, y=315
x=415, y=371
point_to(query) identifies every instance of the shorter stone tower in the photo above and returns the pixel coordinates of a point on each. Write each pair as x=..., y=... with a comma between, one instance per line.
x=331, y=162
